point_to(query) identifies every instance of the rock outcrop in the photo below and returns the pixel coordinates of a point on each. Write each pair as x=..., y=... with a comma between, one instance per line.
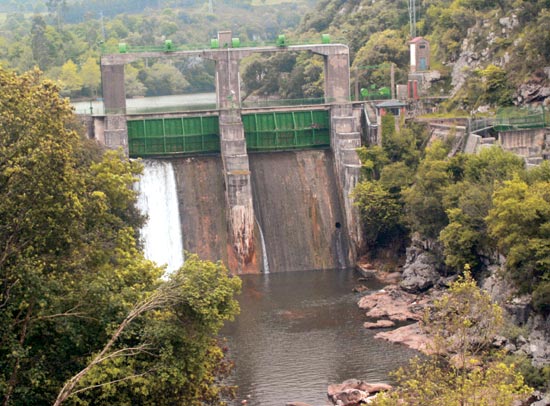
x=354, y=392
x=420, y=272
x=411, y=336
x=392, y=303
x=379, y=324
x=535, y=90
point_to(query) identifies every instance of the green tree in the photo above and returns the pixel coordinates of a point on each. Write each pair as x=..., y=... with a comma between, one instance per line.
x=56, y=9
x=164, y=79
x=70, y=79
x=496, y=86
x=424, y=199
x=373, y=59
x=520, y=223
x=91, y=75
x=71, y=273
x=133, y=85
x=468, y=201
x=399, y=145
x=39, y=43
x=380, y=212
x=373, y=159
x=168, y=341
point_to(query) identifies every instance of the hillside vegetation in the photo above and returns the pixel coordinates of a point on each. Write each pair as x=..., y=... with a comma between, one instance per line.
x=65, y=39
x=472, y=41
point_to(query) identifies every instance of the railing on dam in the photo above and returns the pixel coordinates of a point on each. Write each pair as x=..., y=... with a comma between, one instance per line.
x=266, y=131
x=520, y=118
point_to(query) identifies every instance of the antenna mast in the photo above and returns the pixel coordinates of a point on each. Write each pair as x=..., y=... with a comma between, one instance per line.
x=412, y=17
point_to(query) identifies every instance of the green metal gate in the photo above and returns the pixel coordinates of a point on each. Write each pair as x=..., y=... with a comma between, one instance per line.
x=287, y=130
x=162, y=136
x=263, y=132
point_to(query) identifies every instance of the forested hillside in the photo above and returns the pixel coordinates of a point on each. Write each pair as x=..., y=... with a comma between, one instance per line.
x=66, y=38
x=502, y=44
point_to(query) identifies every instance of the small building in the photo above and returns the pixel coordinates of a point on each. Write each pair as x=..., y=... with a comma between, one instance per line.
x=420, y=54
x=394, y=107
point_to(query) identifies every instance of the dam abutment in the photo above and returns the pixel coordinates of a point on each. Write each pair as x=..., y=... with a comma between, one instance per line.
x=345, y=139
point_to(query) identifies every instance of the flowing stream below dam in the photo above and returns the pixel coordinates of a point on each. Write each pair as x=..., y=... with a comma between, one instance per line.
x=297, y=331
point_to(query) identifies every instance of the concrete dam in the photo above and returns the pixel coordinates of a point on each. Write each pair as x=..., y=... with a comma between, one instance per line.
x=299, y=222
x=262, y=190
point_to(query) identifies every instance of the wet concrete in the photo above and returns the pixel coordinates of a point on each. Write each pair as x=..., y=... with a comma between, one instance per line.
x=296, y=202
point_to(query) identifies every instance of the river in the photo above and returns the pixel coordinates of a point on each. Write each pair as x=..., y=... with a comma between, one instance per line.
x=298, y=332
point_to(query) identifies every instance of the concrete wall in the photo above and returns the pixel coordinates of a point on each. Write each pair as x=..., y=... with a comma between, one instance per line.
x=238, y=187
x=526, y=143
x=345, y=139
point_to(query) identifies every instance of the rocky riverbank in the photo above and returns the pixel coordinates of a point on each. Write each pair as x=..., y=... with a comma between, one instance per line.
x=411, y=291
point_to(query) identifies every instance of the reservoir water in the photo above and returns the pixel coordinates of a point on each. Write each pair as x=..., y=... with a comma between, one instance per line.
x=298, y=332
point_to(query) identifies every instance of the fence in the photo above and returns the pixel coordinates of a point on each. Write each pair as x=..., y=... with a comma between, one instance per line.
x=518, y=118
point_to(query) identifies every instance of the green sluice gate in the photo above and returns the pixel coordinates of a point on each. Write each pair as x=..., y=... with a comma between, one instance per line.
x=287, y=130
x=195, y=135
x=164, y=136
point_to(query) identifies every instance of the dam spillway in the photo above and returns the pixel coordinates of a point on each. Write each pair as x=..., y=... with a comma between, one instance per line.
x=203, y=212
x=157, y=199
x=297, y=205
x=295, y=199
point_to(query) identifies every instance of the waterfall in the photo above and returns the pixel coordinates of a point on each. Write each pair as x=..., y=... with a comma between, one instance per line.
x=340, y=248
x=161, y=235
x=264, y=248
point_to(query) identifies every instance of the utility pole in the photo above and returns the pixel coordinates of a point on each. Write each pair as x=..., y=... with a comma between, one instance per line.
x=211, y=6
x=102, y=25
x=356, y=84
x=392, y=79
x=412, y=17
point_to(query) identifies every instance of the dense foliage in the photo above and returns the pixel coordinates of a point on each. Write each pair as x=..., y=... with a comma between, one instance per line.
x=475, y=206
x=497, y=45
x=76, y=293
x=65, y=39
x=462, y=370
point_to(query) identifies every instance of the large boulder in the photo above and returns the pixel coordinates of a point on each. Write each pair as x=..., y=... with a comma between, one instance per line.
x=354, y=392
x=422, y=263
x=411, y=336
x=391, y=303
x=421, y=274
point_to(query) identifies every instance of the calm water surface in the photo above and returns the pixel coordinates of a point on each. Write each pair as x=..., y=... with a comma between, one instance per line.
x=301, y=331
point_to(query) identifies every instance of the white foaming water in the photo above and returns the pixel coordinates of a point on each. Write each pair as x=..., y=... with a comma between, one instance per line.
x=264, y=249
x=158, y=199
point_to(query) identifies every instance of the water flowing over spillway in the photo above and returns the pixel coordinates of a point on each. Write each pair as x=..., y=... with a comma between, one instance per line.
x=161, y=235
